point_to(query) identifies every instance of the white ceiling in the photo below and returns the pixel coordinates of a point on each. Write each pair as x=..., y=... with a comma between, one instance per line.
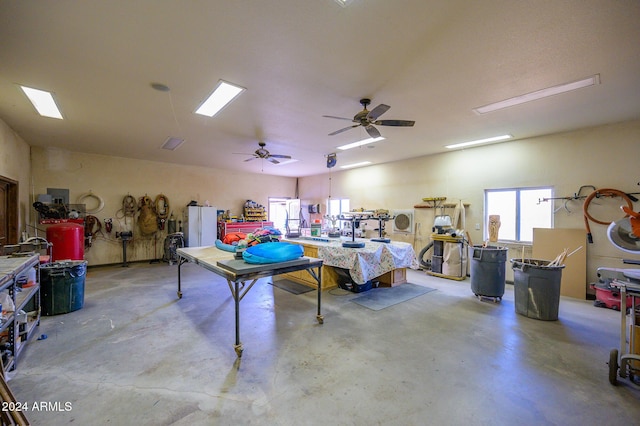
x=432, y=61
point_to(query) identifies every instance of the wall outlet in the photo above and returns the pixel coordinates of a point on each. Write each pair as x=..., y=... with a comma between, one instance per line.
x=477, y=226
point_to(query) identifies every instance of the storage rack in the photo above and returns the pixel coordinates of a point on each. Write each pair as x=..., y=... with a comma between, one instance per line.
x=15, y=330
x=255, y=214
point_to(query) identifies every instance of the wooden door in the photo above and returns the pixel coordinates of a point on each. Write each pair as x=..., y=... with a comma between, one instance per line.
x=8, y=211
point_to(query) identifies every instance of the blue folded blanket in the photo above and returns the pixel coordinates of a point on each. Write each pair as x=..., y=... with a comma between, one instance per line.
x=272, y=252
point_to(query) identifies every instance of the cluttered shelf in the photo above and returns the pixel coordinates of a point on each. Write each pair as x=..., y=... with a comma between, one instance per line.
x=21, y=304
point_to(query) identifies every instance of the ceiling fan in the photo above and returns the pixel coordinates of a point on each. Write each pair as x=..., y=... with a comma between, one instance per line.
x=263, y=154
x=368, y=119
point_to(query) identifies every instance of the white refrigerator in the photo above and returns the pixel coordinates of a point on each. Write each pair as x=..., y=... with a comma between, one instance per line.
x=201, y=227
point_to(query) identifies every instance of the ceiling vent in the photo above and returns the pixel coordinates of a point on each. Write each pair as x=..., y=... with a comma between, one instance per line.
x=403, y=221
x=172, y=143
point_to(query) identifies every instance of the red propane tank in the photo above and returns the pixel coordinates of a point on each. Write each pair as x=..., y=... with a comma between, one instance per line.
x=67, y=240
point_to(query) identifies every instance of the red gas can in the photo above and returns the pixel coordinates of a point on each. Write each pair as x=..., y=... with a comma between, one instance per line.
x=67, y=240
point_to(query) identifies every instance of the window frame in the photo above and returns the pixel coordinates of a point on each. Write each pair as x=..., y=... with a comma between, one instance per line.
x=518, y=206
x=340, y=223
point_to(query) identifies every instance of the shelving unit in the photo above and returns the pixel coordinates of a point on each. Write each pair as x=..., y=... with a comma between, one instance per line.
x=15, y=330
x=255, y=214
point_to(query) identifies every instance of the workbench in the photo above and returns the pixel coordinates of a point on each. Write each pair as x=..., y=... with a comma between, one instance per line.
x=241, y=276
x=384, y=262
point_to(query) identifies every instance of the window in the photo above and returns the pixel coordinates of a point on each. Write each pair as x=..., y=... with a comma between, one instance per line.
x=337, y=206
x=278, y=212
x=520, y=211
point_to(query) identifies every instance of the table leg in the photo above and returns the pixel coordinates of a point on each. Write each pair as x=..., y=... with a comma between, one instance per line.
x=180, y=262
x=236, y=299
x=623, y=330
x=319, y=316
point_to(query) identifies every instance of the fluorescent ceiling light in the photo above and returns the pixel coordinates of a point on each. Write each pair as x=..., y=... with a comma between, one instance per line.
x=289, y=161
x=539, y=94
x=349, y=166
x=360, y=143
x=221, y=96
x=343, y=3
x=480, y=141
x=172, y=143
x=43, y=102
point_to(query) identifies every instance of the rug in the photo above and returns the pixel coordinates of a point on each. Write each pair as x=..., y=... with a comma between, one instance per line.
x=383, y=297
x=291, y=286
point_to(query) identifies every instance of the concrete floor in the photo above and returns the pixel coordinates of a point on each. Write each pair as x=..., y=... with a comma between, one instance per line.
x=136, y=355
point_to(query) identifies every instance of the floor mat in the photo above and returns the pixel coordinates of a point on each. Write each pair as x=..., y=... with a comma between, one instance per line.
x=383, y=297
x=291, y=286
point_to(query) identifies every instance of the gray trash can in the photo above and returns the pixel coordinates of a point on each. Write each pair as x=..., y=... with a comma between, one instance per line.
x=62, y=286
x=536, y=288
x=488, y=270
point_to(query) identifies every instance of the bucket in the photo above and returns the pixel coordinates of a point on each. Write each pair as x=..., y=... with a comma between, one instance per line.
x=62, y=287
x=488, y=271
x=536, y=288
x=67, y=240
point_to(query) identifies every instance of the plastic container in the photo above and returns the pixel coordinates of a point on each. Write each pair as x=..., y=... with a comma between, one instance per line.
x=488, y=270
x=67, y=240
x=608, y=296
x=62, y=287
x=536, y=288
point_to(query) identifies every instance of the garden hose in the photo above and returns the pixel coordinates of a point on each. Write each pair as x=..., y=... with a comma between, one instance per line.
x=606, y=192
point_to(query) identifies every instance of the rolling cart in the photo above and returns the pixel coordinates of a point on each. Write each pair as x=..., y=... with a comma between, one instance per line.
x=622, y=363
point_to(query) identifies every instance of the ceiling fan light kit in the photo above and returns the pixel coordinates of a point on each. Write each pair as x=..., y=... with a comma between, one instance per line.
x=263, y=154
x=369, y=119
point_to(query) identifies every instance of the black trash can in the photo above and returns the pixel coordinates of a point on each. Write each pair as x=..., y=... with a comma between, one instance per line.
x=488, y=270
x=536, y=288
x=62, y=286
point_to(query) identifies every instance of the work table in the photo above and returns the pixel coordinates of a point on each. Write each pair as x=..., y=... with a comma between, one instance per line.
x=385, y=261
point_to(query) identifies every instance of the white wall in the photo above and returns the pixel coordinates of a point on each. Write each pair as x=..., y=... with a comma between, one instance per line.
x=15, y=165
x=112, y=178
x=606, y=157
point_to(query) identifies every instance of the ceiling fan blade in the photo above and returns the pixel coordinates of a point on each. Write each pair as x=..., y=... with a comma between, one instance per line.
x=373, y=132
x=273, y=160
x=378, y=111
x=251, y=158
x=337, y=118
x=281, y=156
x=343, y=130
x=401, y=123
